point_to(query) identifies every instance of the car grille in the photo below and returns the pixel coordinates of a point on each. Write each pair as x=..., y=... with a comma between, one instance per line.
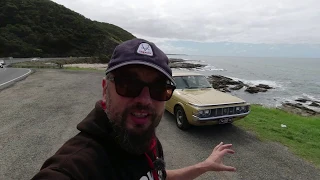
x=229, y=111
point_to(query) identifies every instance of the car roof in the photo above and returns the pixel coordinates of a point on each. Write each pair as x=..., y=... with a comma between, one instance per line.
x=185, y=73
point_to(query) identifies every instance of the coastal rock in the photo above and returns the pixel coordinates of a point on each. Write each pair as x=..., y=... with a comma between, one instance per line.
x=180, y=63
x=258, y=88
x=223, y=80
x=264, y=86
x=253, y=89
x=222, y=83
x=185, y=65
x=224, y=89
x=314, y=104
x=237, y=87
x=302, y=100
x=174, y=60
x=298, y=109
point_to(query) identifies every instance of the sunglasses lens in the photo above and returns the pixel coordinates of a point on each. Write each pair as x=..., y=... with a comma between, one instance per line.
x=161, y=92
x=130, y=87
x=127, y=87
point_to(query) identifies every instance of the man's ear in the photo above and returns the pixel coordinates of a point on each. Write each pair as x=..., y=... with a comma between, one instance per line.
x=104, y=88
x=104, y=82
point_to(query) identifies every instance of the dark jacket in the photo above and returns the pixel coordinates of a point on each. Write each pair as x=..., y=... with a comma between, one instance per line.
x=93, y=154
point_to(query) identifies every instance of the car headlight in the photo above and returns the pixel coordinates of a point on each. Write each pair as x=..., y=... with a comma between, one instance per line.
x=247, y=108
x=242, y=109
x=204, y=113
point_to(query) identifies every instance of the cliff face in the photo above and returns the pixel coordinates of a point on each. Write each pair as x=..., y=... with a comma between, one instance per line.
x=42, y=28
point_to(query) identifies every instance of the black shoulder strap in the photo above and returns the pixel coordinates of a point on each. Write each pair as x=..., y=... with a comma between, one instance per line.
x=159, y=150
x=161, y=162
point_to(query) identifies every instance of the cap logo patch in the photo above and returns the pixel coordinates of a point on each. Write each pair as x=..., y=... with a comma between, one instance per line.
x=145, y=49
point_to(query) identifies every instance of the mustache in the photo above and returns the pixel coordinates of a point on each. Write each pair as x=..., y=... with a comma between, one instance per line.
x=141, y=107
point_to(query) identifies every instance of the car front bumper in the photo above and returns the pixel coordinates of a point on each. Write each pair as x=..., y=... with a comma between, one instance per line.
x=195, y=118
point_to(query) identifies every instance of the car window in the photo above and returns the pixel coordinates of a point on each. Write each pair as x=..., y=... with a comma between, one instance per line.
x=203, y=82
x=191, y=82
x=180, y=83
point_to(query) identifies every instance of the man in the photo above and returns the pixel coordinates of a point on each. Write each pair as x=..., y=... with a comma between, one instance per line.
x=117, y=139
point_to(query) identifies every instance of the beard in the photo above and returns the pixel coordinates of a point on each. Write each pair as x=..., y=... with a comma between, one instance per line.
x=133, y=142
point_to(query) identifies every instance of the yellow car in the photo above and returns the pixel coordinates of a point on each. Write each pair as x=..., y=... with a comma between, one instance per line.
x=195, y=102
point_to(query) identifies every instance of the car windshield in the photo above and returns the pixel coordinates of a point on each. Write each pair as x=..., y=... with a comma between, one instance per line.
x=191, y=82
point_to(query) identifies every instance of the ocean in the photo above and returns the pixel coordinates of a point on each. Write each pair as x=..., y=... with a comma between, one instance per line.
x=292, y=78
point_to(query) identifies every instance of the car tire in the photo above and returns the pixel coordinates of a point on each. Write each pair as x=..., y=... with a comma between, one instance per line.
x=181, y=118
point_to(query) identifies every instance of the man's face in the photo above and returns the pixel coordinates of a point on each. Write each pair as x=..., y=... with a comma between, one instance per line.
x=134, y=118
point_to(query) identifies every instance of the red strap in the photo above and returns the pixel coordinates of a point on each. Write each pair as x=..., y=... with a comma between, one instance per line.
x=153, y=149
x=154, y=172
x=103, y=105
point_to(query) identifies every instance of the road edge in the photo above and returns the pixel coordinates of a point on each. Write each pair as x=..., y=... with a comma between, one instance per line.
x=13, y=81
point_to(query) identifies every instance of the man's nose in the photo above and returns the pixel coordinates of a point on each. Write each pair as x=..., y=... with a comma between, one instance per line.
x=144, y=96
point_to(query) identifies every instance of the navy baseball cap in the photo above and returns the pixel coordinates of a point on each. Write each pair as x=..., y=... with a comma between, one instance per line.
x=140, y=51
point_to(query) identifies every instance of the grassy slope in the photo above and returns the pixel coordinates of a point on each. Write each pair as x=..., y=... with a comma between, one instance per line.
x=301, y=136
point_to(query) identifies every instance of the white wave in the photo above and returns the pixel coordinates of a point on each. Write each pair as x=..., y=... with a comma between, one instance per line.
x=292, y=99
x=295, y=97
x=274, y=84
x=200, y=69
x=310, y=97
x=206, y=68
x=212, y=68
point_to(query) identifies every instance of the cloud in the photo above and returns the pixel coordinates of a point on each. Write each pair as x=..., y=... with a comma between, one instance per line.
x=166, y=46
x=237, y=21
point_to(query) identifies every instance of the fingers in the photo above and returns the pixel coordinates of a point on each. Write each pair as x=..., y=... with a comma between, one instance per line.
x=217, y=146
x=225, y=147
x=228, y=168
x=222, y=146
x=230, y=151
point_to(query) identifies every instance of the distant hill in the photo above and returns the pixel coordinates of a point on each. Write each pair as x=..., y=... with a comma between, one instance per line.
x=42, y=28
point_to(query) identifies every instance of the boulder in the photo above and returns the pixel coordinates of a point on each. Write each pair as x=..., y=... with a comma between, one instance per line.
x=174, y=60
x=252, y=89
x=185, y=65
x=302, y=100
x=223, y=80
x=264, y=86
x=298, y=109
x=237, y=87
x=314, y=104
x=222, y=83
x=225, y=89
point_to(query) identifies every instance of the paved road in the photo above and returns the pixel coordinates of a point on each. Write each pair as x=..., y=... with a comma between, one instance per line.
x=40, y=113
x=9, y=75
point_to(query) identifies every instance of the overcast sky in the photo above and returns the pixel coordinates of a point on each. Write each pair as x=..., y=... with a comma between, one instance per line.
x=181, y=26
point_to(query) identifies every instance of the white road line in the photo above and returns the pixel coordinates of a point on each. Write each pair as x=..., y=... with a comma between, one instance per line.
x=16, y=78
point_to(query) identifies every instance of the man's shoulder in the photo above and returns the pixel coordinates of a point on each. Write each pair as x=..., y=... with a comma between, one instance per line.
x=78, y=144
x=80, y=155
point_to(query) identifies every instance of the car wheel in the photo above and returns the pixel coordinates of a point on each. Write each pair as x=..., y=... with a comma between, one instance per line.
x=181, y=119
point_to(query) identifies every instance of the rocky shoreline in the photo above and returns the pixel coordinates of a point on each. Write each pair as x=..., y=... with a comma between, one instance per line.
x=225, y=84
x=301, y=106
x=180, y=63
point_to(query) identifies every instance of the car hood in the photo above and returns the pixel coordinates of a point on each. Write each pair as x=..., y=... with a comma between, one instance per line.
x=208, y=96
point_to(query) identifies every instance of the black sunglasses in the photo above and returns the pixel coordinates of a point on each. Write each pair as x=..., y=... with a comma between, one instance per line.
x=132, y=87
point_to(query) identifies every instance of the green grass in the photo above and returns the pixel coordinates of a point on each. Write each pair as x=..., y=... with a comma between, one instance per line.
x=301, y=136
x=42, y=64
x=78, y=68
